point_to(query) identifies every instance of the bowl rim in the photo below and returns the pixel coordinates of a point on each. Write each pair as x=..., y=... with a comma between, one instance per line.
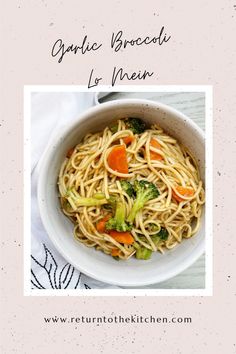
x=45, y=159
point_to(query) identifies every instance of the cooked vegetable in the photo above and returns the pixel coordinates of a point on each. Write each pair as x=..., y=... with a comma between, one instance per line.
x=101, y=225
x=122, y=237
x=153, y=227
x=154, y=155
x=111, y=203
x=115, y=252
x=136, y=125
x=99, y=196
x=128, y=139
x=117, y=159
x=114, y=128
x=118, y=221
x=184, y=191
x=143, y=253
x=145, y=191
x=128, y=188
x=162, y=235
x=76, y=200
x=107, y=207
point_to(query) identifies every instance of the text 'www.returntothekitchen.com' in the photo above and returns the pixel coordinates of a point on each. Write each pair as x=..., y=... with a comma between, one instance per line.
x=117, y=319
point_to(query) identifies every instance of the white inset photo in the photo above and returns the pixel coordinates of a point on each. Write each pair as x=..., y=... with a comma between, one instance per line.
x=121, y=191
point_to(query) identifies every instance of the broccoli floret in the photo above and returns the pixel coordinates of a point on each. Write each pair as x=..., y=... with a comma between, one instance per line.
x=114, y=128
x=111, y=203
x=143, y=253
x=136, y=125
x=145, y=191
x=128, y=188
x=76, y=200
x=162, y=235
x=118, y=221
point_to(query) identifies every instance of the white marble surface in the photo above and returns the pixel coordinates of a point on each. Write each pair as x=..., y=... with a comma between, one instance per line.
x=193, y=105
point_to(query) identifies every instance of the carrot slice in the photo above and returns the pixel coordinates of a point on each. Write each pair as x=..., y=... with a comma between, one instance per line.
x=101, y=225
x=115, y=252
x=117, y=159
x=154, y=155
x=122, y=237
x=128, y=139
x=184, y=191
x=70, y=152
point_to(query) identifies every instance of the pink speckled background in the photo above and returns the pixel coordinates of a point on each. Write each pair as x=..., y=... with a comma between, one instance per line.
x=202, y=51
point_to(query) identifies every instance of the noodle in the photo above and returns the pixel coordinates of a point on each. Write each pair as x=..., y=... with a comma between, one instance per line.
x=87, y=171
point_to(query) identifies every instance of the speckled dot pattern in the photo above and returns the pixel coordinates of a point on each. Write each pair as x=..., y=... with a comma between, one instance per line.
x=201, y=51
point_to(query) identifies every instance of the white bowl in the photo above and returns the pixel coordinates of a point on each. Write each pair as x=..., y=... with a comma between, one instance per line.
x=60, y=230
